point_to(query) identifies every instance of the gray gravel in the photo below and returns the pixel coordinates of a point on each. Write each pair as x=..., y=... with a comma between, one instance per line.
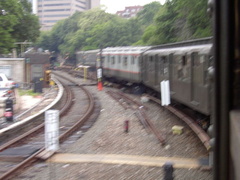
x=107, y=136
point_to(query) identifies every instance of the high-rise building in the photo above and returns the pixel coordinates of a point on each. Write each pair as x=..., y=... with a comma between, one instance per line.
x=51, y=11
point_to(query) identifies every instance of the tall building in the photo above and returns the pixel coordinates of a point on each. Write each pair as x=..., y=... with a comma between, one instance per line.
x=51, y=11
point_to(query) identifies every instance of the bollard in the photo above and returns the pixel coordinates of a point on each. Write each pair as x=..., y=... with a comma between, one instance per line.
x=168, y=171
x=126, y=126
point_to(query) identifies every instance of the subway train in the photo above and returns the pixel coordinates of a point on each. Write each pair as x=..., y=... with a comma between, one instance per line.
x=184, y=64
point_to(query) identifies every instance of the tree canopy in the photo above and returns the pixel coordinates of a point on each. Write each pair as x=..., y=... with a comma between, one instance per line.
x=17, y=24
x=176, y=20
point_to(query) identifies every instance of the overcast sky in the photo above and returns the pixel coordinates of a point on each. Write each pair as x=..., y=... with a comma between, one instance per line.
x=118, y=5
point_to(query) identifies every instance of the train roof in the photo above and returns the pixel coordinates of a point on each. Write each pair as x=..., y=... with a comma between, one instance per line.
x=201, y=49
x=126, y=50
x=88, y=52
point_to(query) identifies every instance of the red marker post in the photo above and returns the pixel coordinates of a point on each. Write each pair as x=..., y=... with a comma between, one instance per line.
x=99, y=70
x=126, y=126
x=99, y=76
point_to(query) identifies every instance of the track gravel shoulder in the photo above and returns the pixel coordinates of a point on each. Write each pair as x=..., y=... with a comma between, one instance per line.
x=107, y=136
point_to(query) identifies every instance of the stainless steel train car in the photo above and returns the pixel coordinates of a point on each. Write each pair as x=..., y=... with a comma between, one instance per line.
x=87, y=58
x=184, y=64
x=186, y=69
x=123, y=63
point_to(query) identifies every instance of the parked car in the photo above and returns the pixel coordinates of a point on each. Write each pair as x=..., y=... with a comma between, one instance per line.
x=5, y=82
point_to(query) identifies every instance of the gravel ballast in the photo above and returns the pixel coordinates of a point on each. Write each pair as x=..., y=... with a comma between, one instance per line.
x=108, y=136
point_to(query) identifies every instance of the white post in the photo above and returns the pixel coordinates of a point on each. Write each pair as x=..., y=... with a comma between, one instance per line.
x=52, y=130
x=165, y=93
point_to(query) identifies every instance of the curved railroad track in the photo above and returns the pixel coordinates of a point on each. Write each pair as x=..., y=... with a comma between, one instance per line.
x=32, y=149
x=129, y=103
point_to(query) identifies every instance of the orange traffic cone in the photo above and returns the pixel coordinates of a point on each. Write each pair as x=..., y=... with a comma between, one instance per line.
x=100, y=86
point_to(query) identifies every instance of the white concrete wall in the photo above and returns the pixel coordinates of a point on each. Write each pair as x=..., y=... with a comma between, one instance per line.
x=17, y=68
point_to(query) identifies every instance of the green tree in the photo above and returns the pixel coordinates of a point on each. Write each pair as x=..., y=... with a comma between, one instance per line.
x=146, y=16
x=182, y=20
x=7, y=22
x=18, y=24
x=91, y=30
x=27, y=28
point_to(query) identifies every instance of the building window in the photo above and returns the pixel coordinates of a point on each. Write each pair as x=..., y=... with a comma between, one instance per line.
x=64, y=4
x=57, y=15
x=54, y=10
x=80, y=7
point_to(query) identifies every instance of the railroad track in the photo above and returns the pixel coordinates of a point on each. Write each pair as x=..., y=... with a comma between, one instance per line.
x=138, y=108
x=30, y=145
x=202, y=135
x=128, y=103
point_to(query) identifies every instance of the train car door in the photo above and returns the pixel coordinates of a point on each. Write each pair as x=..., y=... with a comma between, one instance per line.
x=118, y=65
x=163, y=66
x=113, y=69
x=107, y=61
x=131, y=67
x=180, y=83
x=151, y=70
x=143, y=61
x=200, y=89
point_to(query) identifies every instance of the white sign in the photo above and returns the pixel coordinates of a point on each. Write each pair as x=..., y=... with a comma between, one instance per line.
x=165, y=93
x=99, y=73
x=52, y=130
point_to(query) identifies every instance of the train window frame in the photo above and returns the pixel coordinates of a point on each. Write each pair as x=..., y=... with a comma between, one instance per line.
x=103, y=60
x=151, y=59
x=184, y=59
x=125, y=60
x=198, y=64
x=165, y=65
x=178, y=66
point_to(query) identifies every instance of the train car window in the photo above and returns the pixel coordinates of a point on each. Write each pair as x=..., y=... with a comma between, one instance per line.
x=151, y=59
x=187, y=68
x=198, y=69
x=208, y=64
x=165, y=65
x=125, y=61
x=151, y=65
x=113, y=60
x=196, y=61
x=138, y=61
x=108, y=59
x=162, y=65
x=103, y=60
x=183, y=60
x=179, y=67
